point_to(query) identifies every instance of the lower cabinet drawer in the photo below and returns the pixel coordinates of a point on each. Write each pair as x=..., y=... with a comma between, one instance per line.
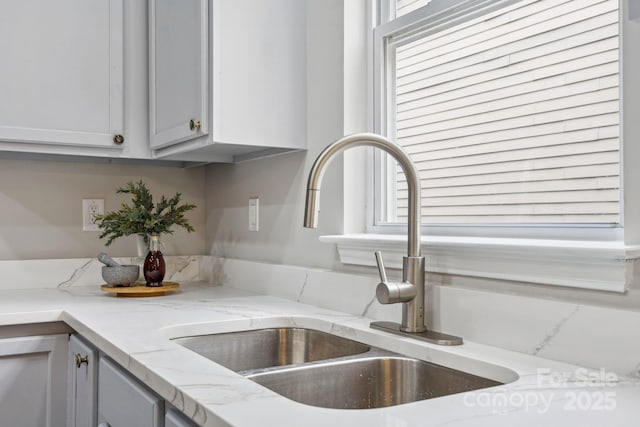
x=123, y=401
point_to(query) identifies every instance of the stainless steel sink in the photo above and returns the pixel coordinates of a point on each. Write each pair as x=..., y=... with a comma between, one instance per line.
x=370, y=382
x=266, y=348
x=324, y=370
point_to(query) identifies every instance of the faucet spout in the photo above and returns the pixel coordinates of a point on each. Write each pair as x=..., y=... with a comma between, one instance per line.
x=312, y=208
x=372, y=140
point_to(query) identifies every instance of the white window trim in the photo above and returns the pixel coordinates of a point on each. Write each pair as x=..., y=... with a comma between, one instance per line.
x=596, y=265
x=599, y=258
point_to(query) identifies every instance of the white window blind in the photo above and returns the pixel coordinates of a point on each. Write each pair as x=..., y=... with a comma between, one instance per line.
x=512, y=117
x=405, y=6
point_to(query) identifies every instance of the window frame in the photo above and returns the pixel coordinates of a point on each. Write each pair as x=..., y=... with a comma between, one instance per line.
x=588, y=256
x=435, y=14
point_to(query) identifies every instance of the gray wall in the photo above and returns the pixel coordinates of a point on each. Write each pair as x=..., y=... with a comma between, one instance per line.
x=280, y=181
x=41, y=207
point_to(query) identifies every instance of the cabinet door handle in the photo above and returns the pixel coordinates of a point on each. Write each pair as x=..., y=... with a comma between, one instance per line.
x=80, y=360
x=195, y=124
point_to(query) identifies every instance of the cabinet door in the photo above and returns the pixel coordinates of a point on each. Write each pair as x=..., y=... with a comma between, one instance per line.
x=259, y=73
x=123, y=401
x=82, y=400
x=61, y=79
x=176, y=419
x=34, y=381
x=178, y=77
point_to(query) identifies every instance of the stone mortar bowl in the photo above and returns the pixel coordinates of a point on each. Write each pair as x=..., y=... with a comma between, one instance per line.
x=120, y=275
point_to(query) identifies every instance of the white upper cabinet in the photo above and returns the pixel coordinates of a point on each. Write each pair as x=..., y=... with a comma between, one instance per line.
x=190, y=80
x=232, y=91
x=62, y=75
x=178, y=80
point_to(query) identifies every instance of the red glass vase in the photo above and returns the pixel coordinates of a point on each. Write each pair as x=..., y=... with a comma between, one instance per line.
x=154, y=266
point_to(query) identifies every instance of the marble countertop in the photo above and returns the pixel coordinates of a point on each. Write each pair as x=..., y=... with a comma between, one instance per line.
x=136, y=333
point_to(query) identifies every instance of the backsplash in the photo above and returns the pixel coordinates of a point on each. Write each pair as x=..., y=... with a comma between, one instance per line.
x=65, y=273
x=563, y=331
x=577, y=333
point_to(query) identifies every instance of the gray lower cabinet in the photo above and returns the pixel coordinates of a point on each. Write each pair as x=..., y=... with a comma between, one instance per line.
x=102, y=393
x=82, y=399
x=174, y=418
x=123, y=401
x=33, y=370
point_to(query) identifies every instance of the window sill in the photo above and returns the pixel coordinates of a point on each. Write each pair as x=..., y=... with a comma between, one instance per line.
x=596, y=265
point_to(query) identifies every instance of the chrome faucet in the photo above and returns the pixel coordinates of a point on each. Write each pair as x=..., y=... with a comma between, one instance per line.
x=409, y=292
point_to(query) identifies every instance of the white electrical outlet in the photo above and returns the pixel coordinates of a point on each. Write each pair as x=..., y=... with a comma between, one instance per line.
x=91, y=208
x=253, y=214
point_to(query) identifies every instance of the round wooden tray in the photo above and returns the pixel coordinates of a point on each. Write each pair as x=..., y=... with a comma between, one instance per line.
x=141, y=290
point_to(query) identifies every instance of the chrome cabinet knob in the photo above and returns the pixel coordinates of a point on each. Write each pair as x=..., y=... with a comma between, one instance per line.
x=118, y=139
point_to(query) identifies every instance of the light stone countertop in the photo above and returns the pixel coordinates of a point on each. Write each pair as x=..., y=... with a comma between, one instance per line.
x=135, y=333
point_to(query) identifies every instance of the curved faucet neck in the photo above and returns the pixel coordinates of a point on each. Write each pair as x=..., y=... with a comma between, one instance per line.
x=384, y=144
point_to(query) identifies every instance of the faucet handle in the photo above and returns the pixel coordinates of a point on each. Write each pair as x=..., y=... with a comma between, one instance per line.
x=392, y=292
x=381, y=270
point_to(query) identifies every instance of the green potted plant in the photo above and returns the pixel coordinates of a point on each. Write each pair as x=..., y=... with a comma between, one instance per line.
x=144, y=218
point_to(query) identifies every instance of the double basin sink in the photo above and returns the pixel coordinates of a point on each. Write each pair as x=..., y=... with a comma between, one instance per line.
x=329, y=371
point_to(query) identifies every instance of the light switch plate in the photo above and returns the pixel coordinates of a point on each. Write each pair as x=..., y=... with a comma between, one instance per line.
x=254, y=217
